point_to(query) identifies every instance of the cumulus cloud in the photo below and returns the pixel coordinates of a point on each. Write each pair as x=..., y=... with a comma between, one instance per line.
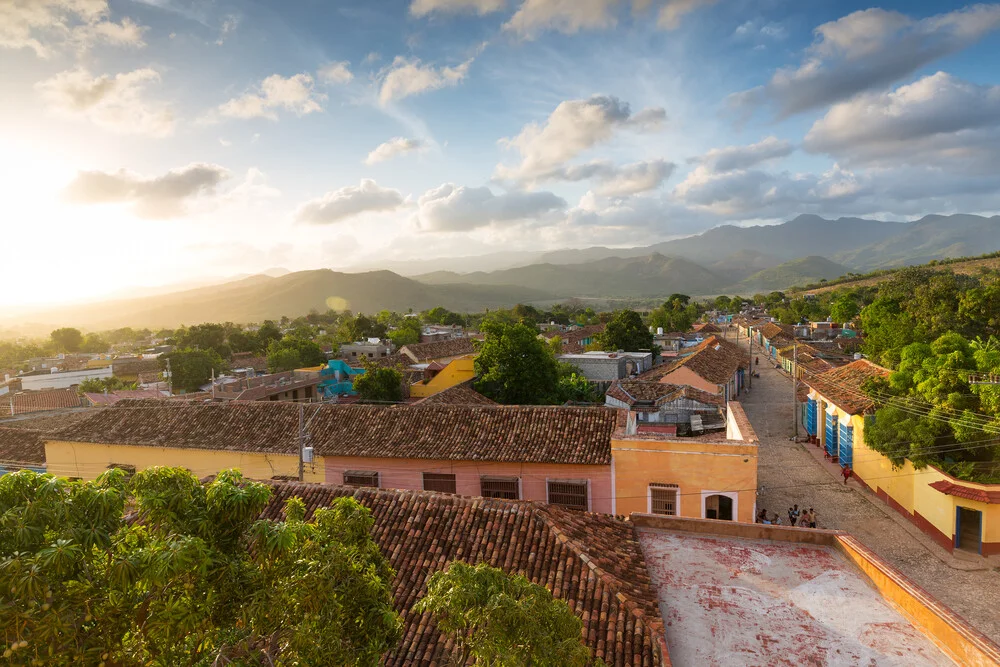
x=424, y=7
x=937, y=119
x=574, y=126
x=673, y=11
x=453, y=208
x=295, y=94
x=155, y=197
x=334, y=73
x=45, y=26
x=744, y=157
x=405, y=77
x=613, y=181
x=392, y=148
x=348, y=202
x=567, y=16
x=117, y=103
x=865, y=50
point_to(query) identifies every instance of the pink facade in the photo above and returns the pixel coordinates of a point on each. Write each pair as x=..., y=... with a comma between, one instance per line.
x=534, y=477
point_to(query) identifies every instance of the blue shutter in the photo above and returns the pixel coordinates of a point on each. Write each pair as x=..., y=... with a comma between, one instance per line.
x=811, y=416
x=846, y=445
x=831, y=434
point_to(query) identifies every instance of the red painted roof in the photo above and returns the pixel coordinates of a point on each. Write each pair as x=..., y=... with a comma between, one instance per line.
x=967, y=492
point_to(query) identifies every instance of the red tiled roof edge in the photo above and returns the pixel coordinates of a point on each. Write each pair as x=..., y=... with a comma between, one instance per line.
x=967, y=492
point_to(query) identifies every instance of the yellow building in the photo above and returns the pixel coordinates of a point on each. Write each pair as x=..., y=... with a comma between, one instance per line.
x=955, y=513
x=454, y=373
x=710, y=476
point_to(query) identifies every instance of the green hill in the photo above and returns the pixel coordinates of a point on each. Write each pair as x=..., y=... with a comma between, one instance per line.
x=801, y=271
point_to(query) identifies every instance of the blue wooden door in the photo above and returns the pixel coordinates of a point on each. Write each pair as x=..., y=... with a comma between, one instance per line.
x=846, y=445
x=811, y=416
x=831, y=435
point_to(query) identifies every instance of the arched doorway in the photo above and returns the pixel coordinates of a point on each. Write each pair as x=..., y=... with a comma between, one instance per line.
x=719, y=507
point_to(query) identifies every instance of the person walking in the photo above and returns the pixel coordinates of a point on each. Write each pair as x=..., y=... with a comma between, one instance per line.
x=846, y=472
x=793, y=515
x=804, y=519
x=812, y=518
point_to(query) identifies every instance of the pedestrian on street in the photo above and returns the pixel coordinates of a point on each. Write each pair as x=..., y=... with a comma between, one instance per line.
x=757, y=361
x=812, y=518
x=793, y=515
x=846, y=472
x=804, y=519
x=776, y=520
x=762, y=516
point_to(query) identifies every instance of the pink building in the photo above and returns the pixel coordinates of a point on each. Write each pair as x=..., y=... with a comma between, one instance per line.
x=556, y=455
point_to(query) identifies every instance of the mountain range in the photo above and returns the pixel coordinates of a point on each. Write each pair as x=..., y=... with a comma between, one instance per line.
x=723, y=260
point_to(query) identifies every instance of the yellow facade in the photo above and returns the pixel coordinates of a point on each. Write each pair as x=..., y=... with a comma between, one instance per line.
x=88, y=460
x=700, y=469
x=909, y=490
x=456, y=372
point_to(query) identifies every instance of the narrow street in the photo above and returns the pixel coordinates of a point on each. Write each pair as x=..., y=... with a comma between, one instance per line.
x=789, y=474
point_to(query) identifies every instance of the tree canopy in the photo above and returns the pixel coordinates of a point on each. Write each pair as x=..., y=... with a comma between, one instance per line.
x=67, y=339
x=195, y=579
x=290, y=353
x=502, y=619
x=625, y=331
x=515, y=366
x=190, y=368
x=379, y=385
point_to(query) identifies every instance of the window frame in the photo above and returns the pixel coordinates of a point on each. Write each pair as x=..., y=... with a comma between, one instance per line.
x=501, y=478
x=362, y=473
x=585, y=483
x=665, y=486
x=454, y=481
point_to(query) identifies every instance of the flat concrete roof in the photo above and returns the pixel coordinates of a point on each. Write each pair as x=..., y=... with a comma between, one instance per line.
x=729, y=601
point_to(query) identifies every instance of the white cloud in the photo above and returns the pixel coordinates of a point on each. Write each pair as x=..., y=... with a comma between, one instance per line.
x=392, y=148
x=574, y=126
x=348, y=202
x=335, y=73
x=452, y=208
x=424, y=7
x=152, y=197
x=674, y=11
x=755, y=28
x=295, y=94
x=936, y=120
x=744, y=157
x=407, y=77
x=868, y=49
x=45, y=26
x=612, y=181
x=117, y=103
x=228, y=26
x=567, y=16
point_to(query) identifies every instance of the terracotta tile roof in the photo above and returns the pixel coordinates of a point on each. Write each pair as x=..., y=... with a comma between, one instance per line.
x=714, y=359
x=440, y=349
x=632, y=392
x=122, y=394
x=461, y=394
x=132, y=367
x=20, y=445
x=705, y=328
x=533, y=434
x=592, y=562
x=248, y=360
x=36, y=401
x=47, y=422
x=572, y=341
x=969, y=493
x=772, y=330
x=842, y=386
x=264, y=391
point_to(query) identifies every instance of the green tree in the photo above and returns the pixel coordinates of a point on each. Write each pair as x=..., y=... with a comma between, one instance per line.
x=574, y=386
x=625, y=331
x=196, y=579
x=207, y=336
x=100, y=385
x=887, y=329
x=515, y=366
x=67, y=339
x=190, y=369
x=406, y=333
x=844, y=309
x=379, y=385
x=500, y=619
x=290, y=353
x=94, y=343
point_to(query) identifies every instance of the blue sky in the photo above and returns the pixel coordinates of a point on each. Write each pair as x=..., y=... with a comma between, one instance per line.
x=158, y=141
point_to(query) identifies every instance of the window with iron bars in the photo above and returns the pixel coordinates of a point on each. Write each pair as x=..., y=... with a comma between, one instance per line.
x=361, y=478
x=500, y=487
x=663, y=499
x=570, y=493
x=439, y=481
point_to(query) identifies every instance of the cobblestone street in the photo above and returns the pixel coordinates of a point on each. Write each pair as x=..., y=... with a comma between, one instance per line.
x=789, y=474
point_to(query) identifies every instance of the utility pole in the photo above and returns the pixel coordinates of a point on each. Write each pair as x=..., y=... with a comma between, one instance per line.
x=750, y=339
x=795, y=386
x=302, y=441
x=170, y=379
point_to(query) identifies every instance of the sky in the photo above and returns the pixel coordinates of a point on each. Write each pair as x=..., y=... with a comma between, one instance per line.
x=147, y=142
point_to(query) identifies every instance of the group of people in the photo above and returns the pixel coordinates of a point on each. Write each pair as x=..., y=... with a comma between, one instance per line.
x=805, y=518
